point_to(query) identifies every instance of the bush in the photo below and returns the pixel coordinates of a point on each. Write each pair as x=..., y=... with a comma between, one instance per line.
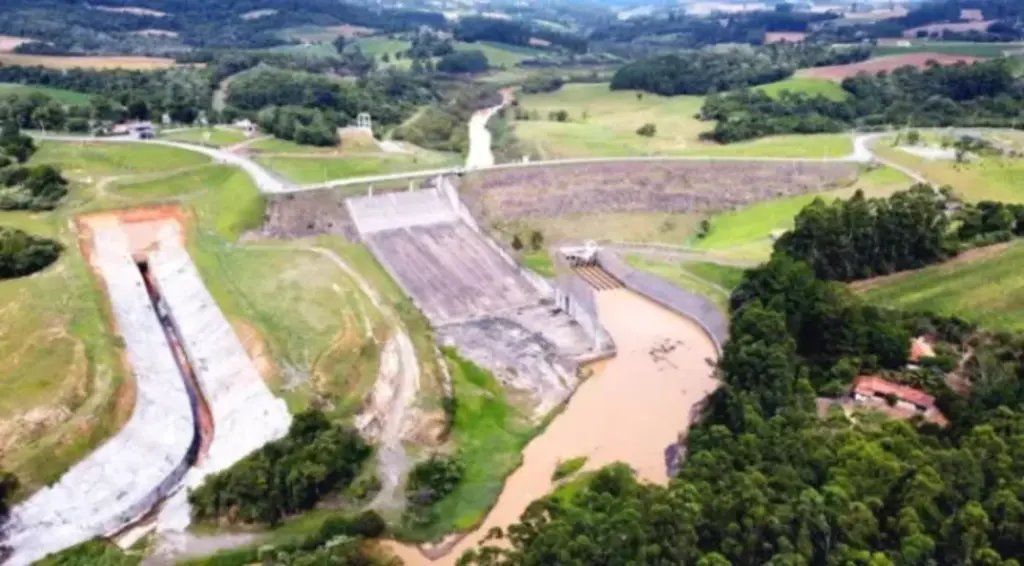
x=558, y=115
x=433, y=479
x=647, y=130
x=568, y=468
x=39, y=187
x=23, y=254
x=473, y=61
x=285, y=476
x=542, y=83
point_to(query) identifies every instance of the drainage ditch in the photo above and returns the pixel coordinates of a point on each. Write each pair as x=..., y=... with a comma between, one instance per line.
x=203, y=418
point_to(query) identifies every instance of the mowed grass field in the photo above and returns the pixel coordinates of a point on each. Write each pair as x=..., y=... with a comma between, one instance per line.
x=87, y=62
x=984, y=178
x=87, y=161
x=603, y=122
x=68, y=97
x=984, y=285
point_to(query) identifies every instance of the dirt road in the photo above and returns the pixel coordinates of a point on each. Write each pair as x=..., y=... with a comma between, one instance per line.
x=632, y=410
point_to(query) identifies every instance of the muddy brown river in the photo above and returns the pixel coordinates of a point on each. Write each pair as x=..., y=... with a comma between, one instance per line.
x=632, y=409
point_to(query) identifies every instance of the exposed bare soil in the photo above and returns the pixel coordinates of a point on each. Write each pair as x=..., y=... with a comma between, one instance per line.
x=888, y=63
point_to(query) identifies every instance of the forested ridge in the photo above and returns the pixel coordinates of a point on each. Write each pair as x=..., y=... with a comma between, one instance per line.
x=986, y=94
x=722, y=69
x=769, y=480
x=75, y=26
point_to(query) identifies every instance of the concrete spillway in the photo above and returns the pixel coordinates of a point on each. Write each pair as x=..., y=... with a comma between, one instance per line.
x=129, y=474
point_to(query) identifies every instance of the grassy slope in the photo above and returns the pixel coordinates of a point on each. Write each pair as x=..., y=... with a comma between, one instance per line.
x=312, y=170
x=712, y=281
x=988, y=289
x=69, y=97
x=92, y=160
x=988, y=178
x=218, y=137
x=746, y=232
x=490, y=433
x=604, y=122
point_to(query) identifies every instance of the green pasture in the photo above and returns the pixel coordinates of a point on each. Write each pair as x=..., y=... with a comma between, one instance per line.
x=812, y=87
x=985, y=286
x=89, y=160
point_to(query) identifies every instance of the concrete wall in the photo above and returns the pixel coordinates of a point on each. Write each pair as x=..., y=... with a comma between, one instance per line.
x=690, y=305
x=128, y=474
x=407, y=209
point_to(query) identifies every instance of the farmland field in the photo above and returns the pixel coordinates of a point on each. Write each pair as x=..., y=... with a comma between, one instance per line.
x=9, y=42
x=983, y=285
x=949, y=48
x=887, y=63
x=87, y=62
x=498, y=55
x=68, y=97
x=603, y=123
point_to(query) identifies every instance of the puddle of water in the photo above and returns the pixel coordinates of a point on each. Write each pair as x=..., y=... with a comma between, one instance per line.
x=632, y=410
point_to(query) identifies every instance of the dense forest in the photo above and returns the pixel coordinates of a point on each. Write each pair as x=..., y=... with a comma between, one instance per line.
x=286, y=476
x=514, y=32
x=770, y=479
x=442, y=126
x=986, y=94
x=680, y=30
x=722, y=69
x=182, y=93
x=307, y=108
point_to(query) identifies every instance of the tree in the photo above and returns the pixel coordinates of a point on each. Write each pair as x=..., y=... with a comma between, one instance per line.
x=340, y=43
x=536, y=240
x=14, y=143
x=517, y=244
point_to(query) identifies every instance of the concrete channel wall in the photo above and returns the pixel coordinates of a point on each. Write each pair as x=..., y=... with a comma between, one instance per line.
x=245, y=413
x=681, y=301
x=131, y=472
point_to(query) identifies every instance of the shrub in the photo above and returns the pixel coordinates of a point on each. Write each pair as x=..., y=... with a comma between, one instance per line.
x=568, y=468
x=536, y=240
x=285, y=476
x=647, y=130
x=23, y=254
x=558, y=116
x=433, y=479
x=473, y=61
x=517, y=243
